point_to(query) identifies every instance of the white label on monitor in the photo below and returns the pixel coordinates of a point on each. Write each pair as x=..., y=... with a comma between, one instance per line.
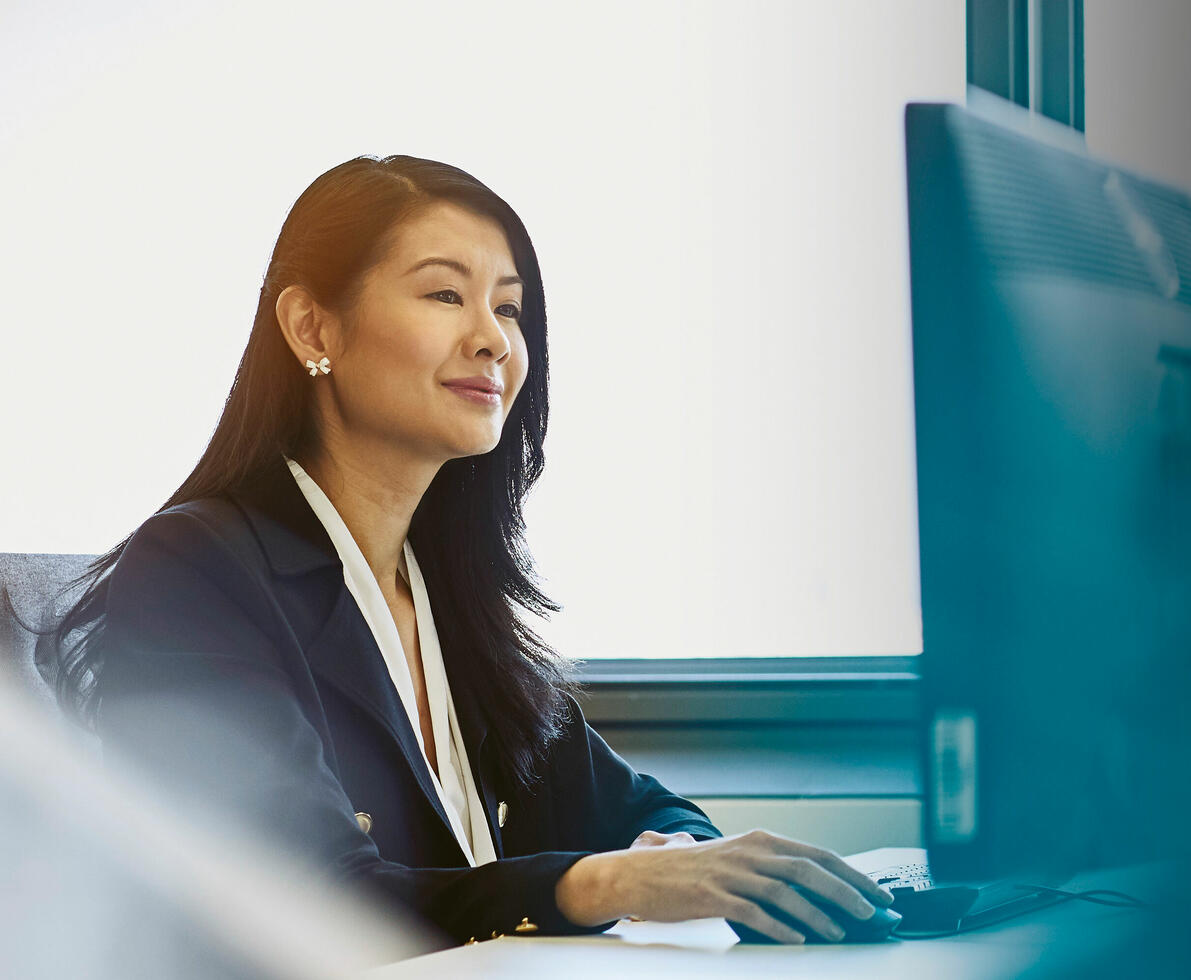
x=953, y=744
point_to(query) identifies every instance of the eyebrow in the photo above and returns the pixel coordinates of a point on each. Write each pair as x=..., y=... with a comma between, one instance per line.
x=464, y=269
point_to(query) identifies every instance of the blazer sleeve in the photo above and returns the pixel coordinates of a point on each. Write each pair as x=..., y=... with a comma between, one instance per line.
x=605, y=801
x=196, y=694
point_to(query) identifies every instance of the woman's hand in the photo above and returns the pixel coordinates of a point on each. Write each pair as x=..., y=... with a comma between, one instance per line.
x=669, y=880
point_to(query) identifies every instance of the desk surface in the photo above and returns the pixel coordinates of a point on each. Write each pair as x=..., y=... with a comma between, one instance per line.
x=1069, y=939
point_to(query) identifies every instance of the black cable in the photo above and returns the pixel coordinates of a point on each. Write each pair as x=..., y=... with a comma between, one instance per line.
x=1129, y=901
x=1059, y=896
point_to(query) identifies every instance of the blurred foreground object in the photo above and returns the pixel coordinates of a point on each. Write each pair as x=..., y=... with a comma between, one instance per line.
x=103, y=879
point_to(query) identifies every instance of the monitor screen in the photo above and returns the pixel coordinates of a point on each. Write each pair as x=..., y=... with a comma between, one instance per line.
x=1051, y=298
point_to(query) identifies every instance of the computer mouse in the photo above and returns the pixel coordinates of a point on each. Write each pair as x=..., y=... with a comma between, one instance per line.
x=871, y=930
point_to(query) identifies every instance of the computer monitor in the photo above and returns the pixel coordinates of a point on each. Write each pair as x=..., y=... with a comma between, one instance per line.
x=1051, y=299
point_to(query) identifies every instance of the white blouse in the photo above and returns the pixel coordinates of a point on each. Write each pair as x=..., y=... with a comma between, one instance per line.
x=456, y=788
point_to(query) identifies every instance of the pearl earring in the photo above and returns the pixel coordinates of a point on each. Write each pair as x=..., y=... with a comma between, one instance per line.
x=324, y=365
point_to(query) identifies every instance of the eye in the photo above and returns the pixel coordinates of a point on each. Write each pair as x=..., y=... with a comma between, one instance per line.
x=515, y=315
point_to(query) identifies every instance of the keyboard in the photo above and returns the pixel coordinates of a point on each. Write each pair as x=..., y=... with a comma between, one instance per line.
x=916, y=877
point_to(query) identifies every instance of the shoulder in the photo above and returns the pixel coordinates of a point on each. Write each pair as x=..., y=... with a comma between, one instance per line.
x=210, y=529
x=573, y=743
x=573, y=713
x=204, y=541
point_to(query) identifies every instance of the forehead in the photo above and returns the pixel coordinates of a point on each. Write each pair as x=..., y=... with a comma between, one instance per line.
x=451, y=231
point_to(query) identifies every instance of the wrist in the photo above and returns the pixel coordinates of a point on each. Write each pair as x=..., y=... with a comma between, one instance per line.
x=590, y=892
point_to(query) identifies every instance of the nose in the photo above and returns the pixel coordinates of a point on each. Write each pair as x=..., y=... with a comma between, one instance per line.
x=490, y=335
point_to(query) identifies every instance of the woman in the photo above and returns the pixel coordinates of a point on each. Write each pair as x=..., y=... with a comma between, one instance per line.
x=316, y=631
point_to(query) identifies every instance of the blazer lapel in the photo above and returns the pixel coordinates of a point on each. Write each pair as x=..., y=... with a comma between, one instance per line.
x=345, y=653
x=473, y=727
x=343, y=650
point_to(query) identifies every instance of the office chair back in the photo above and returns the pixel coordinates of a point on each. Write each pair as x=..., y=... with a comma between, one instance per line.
x=33, y=586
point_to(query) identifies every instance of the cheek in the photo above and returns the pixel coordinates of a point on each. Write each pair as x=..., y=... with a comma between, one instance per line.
x=416, y=348
x=392, y=373
x=520, y=359
x=413, y=356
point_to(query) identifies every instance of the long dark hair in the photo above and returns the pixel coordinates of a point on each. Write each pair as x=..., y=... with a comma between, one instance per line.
x=468, y=529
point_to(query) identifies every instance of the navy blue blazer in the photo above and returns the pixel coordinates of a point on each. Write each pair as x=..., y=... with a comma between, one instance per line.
x=239, y=673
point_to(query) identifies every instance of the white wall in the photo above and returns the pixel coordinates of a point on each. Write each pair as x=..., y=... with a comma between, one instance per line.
x=716, y=193
x=1137, y=85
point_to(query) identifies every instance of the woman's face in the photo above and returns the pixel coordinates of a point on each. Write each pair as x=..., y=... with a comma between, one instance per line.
x=441, y=307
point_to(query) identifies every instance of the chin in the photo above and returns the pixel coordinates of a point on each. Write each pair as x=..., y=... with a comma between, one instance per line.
x=479, y=448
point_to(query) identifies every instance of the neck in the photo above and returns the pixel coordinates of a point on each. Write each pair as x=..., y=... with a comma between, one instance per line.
x=376, y=494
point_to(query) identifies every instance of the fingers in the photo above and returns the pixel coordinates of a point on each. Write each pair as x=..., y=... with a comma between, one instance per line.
x=747, y=879
x=812, y=877
x=740, y=909
x=829, y=860
x=857, y=879
x=779, y=895
x=778, y=898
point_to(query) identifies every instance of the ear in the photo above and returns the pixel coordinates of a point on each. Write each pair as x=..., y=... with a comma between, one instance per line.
x=309, y=330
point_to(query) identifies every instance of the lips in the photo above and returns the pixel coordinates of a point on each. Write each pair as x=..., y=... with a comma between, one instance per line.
x=489, y=387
